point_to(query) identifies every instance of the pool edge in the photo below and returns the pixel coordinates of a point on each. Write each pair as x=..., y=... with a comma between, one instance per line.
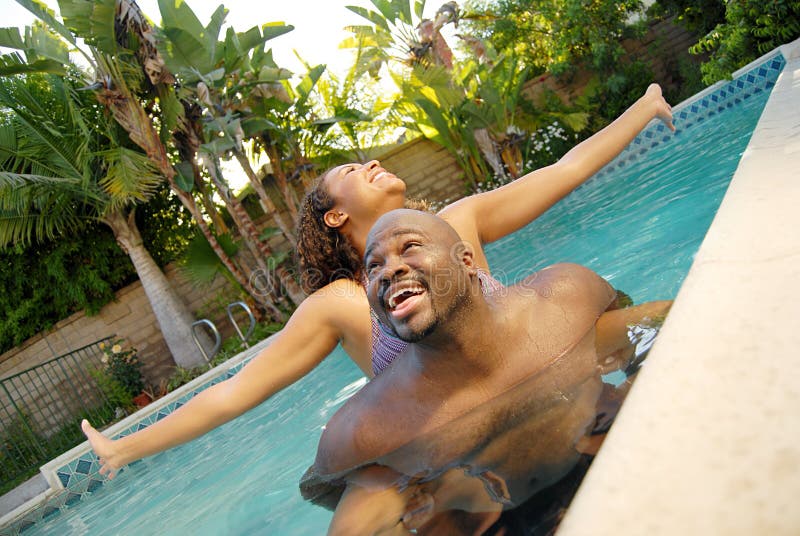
x=707, y=442
x=144, y=416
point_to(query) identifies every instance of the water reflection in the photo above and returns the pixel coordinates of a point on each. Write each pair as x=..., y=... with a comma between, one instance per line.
x=509, y=464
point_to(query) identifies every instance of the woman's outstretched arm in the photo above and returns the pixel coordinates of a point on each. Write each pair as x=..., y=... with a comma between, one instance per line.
x=494, y=214
x=310, y=335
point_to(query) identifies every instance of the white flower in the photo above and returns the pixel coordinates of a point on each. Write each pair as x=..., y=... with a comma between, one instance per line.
x=116, y=349
x=104, y=359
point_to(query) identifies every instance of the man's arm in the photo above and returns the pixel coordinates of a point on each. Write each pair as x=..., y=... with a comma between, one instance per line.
x=371, y=504
x=612, y=342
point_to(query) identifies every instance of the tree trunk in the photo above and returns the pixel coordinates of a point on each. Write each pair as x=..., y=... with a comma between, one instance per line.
x=208, y=204
x=266, y=203
x=189, y=203
x=173, y=317
x=289, y=196
x=258, y=249
x=132, y=117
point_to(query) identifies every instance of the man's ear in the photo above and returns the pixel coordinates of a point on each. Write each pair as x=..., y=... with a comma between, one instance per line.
x=335, y=218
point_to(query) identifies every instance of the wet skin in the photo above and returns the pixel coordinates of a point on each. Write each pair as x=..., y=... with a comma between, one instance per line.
x=501, y=389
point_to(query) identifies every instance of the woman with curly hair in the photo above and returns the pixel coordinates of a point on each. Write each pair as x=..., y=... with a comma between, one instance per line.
x=336, y=218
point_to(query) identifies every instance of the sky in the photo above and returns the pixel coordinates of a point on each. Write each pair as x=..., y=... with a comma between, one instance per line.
x=319, y=24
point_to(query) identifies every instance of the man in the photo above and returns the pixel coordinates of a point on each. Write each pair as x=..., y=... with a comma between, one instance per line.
x=495, y=399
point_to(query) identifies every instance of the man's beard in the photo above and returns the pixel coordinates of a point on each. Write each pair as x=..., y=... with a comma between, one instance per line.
x=438, y=318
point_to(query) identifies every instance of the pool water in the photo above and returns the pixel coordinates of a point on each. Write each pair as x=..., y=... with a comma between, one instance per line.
x=638, y=226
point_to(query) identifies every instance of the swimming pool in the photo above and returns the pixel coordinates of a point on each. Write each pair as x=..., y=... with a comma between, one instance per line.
x=649, y=215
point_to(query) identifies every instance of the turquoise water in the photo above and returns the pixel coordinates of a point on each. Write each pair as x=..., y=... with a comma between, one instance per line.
x=639, y=227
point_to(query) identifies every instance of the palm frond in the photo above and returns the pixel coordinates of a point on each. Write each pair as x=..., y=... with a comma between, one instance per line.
x=35, y=207
x=130, y=176
x=51, y=138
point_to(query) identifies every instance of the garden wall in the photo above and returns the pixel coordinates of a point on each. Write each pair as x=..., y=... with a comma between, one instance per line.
x=130, y=317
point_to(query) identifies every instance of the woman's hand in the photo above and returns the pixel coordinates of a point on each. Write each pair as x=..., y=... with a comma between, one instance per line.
x=663, y=110
x=104, y=448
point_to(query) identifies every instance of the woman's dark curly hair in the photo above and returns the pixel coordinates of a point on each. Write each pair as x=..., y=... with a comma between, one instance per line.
x=323, y=254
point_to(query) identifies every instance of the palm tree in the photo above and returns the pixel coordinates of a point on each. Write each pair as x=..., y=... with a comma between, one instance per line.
x=354, y=112
x=474, y=107
x=216, y=78
x=133, y=84
x=64, y=163
x=217, y=75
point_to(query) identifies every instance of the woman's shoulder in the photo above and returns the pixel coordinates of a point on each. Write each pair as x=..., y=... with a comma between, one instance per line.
x=340, y=299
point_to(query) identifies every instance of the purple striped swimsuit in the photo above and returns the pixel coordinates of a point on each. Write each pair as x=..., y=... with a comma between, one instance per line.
x=385, y=347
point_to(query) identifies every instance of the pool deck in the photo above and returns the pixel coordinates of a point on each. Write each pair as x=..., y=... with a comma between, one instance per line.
x=708, y=440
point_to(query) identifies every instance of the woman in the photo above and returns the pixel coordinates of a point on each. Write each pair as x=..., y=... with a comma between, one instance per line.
x=337, y=217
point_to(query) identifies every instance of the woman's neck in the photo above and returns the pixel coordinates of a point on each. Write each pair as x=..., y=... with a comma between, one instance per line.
x=357, y=234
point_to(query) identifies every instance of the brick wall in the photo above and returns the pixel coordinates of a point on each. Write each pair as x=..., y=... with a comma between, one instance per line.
x=129, y=317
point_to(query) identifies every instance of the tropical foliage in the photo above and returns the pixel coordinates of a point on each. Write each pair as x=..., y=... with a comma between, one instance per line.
x=65, y=161
x=133, y=82
x=558, y=36
x=473, y=105
x=736, y=32
x=142, y=133
x=568, y=37
x=45, y=283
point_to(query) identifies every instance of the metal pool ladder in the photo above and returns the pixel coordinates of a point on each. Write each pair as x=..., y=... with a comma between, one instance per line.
x=215, y=332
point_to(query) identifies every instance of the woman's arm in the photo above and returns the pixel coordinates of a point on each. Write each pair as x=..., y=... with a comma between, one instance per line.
x=495, y=214
x=310, y=335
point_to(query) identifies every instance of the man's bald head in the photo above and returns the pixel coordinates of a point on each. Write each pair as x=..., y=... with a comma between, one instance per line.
x=402, y=219
x=419, y=271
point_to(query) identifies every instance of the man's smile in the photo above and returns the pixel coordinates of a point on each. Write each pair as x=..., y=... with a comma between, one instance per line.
x=400, y=298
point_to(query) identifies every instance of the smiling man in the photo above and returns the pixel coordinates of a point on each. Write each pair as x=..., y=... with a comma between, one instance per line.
x=495, y=399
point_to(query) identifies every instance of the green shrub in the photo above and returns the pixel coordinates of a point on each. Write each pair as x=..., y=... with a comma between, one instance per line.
x=182, y=376
x=750, y=29
x=117, y=394
x=123, y=365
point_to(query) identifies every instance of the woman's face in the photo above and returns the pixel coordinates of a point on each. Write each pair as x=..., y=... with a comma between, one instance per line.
x=364, y=190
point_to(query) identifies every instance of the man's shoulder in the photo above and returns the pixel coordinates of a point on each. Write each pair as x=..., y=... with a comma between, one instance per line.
x=337, y=451
x=568, y=281
x=360, y=431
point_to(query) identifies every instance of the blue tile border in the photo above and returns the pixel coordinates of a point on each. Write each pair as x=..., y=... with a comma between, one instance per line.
x=724, y=95
x=81, y=477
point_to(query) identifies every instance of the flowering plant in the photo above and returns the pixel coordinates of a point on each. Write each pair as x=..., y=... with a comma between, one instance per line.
x=123, y=365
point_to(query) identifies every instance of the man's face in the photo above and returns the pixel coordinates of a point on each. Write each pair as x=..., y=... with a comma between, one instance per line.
x=415, y=279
